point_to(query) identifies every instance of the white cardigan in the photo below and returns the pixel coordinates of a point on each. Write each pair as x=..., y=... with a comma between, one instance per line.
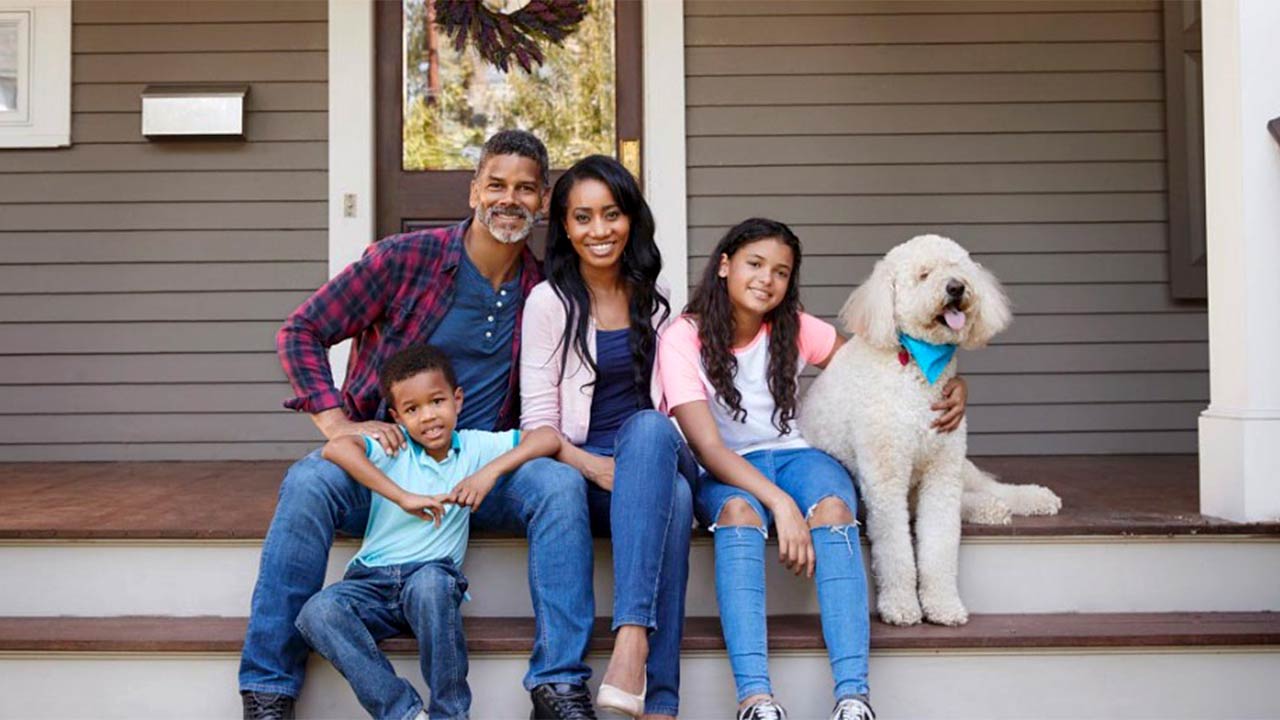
x=544, y=398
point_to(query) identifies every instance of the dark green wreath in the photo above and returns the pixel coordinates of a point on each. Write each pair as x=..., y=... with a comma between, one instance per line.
x=497, y=36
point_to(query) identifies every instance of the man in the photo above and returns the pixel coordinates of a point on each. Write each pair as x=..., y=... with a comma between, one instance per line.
x=441, y=286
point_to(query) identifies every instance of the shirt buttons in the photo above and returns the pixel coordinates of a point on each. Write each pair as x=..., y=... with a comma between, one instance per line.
x=499, y=303
x=490, y=318
x=488, y=334
x=502, y=293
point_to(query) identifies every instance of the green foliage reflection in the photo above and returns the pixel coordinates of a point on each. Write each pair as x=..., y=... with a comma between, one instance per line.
x=568, y=101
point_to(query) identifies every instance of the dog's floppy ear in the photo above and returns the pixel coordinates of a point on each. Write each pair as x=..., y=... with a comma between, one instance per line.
x=993, y=313
x=869, y=310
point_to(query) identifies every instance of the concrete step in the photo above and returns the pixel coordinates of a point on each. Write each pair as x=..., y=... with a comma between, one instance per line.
x=1038, y=574
x=1178, y=665
x=95, y=539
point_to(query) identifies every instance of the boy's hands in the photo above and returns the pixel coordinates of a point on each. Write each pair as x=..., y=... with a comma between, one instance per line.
x=472, y=491
x=427, y=507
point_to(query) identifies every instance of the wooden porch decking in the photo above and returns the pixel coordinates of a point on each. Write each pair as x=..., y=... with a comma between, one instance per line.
x=1102, y=495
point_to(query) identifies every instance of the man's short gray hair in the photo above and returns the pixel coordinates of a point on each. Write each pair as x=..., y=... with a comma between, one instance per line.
x=517, y=142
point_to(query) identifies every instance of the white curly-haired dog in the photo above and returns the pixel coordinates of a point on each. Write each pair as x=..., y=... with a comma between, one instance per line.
x=870, y=409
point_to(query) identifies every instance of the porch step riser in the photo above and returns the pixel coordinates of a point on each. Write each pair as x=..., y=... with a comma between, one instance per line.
x=1214, y=682
x=997, y=576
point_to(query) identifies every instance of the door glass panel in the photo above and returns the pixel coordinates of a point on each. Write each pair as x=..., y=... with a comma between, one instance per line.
x=9, y=36
x=454, y=101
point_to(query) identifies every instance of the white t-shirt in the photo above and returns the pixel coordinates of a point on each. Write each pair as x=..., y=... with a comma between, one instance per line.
x=684, y=380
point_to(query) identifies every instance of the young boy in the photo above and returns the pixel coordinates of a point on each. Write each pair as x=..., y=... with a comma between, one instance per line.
x=406, y=575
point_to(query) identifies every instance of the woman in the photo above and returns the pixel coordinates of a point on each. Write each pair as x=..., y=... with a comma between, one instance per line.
x=587, y=368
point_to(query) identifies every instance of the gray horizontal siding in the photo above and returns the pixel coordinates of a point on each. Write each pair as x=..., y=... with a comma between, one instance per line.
x=122, y=127
x=901, y=59
x=930, y=118
x=134, y=246
x=724, y=149
x=979, y=237
x=1033, y=133
x=263, y=97
x=165, y=367
x=143, y=281
x=836, y=28
x=184, y=12
x=774, y=8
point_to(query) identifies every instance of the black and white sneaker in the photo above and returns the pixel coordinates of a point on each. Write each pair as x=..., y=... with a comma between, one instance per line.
x=853, y=708
x=562, y=701
x=763, y=710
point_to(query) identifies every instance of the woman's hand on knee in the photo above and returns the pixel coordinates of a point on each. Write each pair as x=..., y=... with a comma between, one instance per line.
x=599, y=470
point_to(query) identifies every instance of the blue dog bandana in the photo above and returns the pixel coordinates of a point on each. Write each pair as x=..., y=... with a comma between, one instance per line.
x=931, y=358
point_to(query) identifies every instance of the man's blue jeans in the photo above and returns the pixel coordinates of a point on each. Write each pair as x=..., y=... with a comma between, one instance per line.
x=809, y=476
x=345, y=621
x=544, y=500
x=649, y=515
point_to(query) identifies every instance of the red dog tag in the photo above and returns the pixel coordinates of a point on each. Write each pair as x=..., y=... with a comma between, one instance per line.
x=903, y=357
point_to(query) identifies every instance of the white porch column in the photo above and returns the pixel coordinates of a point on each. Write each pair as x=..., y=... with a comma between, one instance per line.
x=1240, y=431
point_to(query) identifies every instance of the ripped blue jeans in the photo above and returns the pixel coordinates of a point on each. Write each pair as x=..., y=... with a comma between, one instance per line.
x=808, y=476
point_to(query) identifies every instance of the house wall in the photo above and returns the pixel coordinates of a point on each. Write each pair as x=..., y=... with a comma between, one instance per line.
x=141, y=283
x=1032, y=133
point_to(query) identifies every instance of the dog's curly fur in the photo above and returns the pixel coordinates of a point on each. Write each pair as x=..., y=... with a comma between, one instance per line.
x=873, y=414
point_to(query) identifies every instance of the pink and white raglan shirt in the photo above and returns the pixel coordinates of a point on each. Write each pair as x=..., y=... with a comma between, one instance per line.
x=685, y=380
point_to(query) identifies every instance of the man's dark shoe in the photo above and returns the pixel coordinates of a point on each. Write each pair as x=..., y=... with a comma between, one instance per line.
x=562, y=701
x=266, y=706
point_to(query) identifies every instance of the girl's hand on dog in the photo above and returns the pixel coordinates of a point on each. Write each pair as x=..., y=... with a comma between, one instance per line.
x=954, y=395
x=795, y=545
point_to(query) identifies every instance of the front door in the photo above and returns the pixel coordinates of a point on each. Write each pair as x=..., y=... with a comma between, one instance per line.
x=436, y=106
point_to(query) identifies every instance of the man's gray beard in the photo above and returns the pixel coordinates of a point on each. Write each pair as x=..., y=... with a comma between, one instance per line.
x=485, y=218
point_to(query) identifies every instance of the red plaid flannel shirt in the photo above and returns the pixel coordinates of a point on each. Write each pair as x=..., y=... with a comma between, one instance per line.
x=393, y=297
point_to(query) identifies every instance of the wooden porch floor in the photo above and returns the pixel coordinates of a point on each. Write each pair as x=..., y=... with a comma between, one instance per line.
x=1102, y=495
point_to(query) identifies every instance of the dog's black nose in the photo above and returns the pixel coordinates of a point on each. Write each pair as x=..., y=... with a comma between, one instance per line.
x=955, y=289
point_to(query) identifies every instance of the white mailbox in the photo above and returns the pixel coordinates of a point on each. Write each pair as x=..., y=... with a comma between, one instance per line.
x=193, y=110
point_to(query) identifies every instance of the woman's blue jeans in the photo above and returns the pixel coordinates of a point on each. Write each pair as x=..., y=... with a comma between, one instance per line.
x=649, y=515
x=543, y=500
x=345, y=621
x=809, y=476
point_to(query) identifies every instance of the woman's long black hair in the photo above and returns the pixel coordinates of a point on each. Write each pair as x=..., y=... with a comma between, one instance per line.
x=711, y=304
x=640, y=264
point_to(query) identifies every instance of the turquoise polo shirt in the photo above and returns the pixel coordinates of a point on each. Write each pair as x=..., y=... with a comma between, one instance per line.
x=393, y=536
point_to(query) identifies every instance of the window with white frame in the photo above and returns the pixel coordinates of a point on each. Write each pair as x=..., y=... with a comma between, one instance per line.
x=35, y=73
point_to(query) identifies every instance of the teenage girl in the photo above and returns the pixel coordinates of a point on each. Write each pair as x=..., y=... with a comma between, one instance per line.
x=730, y=371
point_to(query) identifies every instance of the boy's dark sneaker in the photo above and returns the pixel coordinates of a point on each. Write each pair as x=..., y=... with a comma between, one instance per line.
x=562, y=701
x=266, y=706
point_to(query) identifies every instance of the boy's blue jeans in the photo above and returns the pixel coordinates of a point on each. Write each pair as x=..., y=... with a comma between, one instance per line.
x=544, y=500
x=808, y=476
x=649, y=515
x=345, y=621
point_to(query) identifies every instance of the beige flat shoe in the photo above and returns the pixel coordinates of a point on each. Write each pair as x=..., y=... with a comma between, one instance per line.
x=621, y=701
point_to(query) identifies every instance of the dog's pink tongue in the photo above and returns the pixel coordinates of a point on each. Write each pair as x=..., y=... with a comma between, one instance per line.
x=954, y=318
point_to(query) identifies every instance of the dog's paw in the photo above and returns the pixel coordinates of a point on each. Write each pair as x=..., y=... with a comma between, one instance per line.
x=945, y=611
x=901, y=610
x=984, y=509
x=1034, y=500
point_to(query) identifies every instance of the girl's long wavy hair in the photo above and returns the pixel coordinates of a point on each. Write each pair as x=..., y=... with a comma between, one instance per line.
x=641, y=262
x=714, y=310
